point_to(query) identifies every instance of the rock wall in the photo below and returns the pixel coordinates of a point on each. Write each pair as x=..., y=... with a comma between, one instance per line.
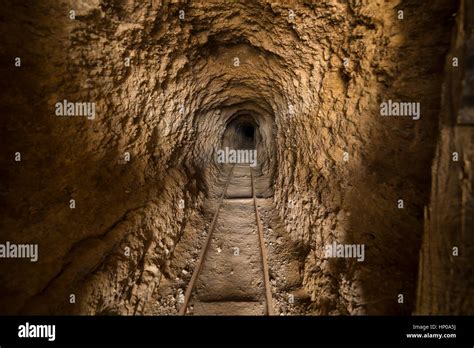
x=445, y=284
x=125, y=169
x=343, y=168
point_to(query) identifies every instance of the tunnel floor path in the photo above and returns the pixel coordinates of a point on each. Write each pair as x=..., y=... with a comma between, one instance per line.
x=232, y=278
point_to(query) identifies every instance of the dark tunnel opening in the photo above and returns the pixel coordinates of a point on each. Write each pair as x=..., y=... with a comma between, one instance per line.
x=242, y=132
x=246, y=136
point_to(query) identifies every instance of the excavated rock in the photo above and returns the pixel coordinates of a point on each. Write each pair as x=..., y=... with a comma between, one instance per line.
x=172, y=83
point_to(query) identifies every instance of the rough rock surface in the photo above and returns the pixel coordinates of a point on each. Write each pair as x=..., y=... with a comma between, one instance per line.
x=446, y=283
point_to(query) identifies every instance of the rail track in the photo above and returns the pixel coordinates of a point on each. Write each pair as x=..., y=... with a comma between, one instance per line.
x=231, y=276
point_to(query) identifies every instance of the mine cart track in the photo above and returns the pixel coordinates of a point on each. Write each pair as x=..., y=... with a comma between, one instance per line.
x=204, y=251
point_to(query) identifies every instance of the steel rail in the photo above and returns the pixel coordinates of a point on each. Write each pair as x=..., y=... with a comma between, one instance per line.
x=198, y=268
x=263, y=253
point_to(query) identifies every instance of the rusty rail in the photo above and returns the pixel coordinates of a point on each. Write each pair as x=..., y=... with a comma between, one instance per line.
x=198, y=268
x=202, y=256
x=263, y=253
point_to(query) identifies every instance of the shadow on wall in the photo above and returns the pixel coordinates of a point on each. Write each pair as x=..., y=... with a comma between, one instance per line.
x=376, y=198
x=390, y=187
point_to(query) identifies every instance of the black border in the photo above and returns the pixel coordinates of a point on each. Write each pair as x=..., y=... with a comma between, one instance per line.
x=289, y=331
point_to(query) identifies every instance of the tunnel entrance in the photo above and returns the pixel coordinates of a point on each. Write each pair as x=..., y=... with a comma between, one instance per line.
x=246, y=136
x=242, y=133
x=249, y=132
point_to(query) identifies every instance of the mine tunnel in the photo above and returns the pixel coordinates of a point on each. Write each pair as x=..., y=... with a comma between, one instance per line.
x=241, y=133
x=232, y=157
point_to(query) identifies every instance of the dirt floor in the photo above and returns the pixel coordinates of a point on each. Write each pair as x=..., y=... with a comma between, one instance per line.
x=231, y=281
